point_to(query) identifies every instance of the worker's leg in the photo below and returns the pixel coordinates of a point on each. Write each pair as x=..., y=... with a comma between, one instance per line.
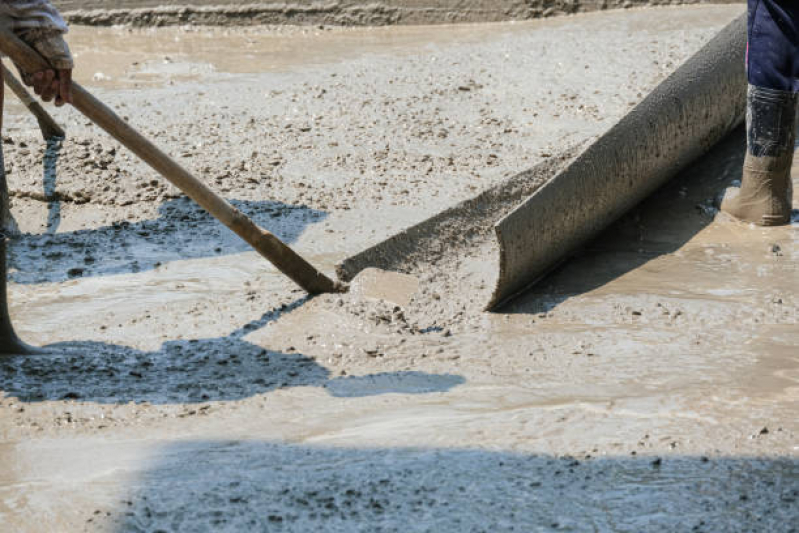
x=9, y=342
x=772, y=66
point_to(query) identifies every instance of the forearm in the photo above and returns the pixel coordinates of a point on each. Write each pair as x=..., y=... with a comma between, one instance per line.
x=39, y=24
x=33, y=15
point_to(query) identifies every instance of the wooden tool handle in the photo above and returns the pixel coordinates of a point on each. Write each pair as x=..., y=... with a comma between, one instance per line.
x=264, y=242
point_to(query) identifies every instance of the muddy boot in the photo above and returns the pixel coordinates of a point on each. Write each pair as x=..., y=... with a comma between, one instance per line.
x=765, y=195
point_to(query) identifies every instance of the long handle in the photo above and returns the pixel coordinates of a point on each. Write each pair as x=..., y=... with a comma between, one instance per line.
x=264, y=242
x=47, y=124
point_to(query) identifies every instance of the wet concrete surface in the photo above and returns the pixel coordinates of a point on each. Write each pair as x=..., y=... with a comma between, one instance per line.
x=342, y=12
x=204, y=486
x=650, y=384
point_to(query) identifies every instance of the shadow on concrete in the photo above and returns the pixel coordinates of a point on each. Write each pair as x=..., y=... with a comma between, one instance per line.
x=191, y=371
x=50, y=175
x=183, y=231
x=660, y=225
x=261, y=486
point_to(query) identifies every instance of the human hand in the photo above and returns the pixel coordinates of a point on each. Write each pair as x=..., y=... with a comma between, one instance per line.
x=55, y=82
x=52, y=83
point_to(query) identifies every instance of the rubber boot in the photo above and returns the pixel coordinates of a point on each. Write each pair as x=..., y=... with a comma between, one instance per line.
x=9, y=342
x=764, y=197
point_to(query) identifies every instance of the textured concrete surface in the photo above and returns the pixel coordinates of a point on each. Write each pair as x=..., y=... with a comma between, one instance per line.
x=649, y=385
x=343, y=12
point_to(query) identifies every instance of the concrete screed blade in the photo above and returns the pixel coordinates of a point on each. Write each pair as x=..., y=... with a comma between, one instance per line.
x=678, y=122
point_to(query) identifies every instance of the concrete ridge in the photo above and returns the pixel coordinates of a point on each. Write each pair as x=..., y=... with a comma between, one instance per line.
x=338, y=13
x=681, y=120
x=543, y=215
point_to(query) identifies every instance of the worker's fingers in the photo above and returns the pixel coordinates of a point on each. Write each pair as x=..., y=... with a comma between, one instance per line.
x=42, y=81
x=36, y=81
x=49, y=92
x=65, y=87
x=47, y=83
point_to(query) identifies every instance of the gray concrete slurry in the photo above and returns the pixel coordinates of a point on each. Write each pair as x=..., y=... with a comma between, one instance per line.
x=340, y=12
x=650, y=384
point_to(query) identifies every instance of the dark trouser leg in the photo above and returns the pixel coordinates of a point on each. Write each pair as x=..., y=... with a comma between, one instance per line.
x=9, y=342
x=765, y=194
x=772, y=57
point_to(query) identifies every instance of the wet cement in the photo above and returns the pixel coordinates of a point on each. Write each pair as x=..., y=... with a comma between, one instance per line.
x=650, y=384
x=342, y=12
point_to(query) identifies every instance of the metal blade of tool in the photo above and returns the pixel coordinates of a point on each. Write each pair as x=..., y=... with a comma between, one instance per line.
x=542, y=216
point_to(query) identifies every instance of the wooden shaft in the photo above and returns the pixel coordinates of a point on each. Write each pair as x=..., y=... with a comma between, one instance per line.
x=47, y=124
x=264, y=242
